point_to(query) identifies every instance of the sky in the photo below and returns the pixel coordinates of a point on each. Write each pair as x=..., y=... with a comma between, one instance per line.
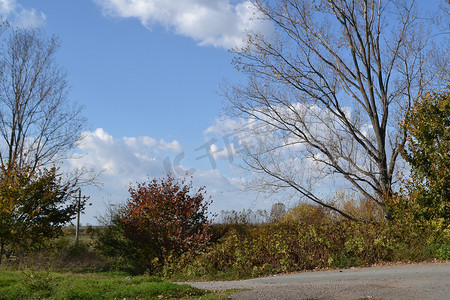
x=148, y=74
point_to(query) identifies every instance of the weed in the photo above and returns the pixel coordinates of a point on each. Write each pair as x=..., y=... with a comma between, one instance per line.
x=39, y=284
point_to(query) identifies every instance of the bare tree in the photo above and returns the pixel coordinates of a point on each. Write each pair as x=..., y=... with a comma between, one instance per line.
x=328, y=90
x=277, y=211
x=38, y=125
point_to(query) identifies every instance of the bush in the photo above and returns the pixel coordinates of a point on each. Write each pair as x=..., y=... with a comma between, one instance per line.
x=111, y=242
x=309, y=237
x=161, y=221
x=34, y=206
x=428, y=153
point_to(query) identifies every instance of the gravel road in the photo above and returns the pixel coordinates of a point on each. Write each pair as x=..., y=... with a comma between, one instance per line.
x=408, y=281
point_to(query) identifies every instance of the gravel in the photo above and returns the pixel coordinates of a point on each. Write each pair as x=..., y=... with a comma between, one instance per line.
x=406, y=281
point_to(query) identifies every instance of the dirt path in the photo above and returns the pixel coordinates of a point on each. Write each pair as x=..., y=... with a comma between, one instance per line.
x=410, y=281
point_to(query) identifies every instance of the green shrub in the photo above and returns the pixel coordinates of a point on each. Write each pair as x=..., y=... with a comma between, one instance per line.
x=111, y=243
x=40, y=284
x=309, y=237
x=427, y=151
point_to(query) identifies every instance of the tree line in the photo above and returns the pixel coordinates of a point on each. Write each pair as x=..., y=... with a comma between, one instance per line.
x=347, y=89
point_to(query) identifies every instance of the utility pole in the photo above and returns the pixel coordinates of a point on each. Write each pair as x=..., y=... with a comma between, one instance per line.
x=77, y=231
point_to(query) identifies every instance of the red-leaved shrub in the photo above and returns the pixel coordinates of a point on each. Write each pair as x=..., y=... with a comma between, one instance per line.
x=163, y=218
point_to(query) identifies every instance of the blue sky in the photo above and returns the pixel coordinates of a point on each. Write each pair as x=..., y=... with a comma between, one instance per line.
x=148, y=79
x=148, y=73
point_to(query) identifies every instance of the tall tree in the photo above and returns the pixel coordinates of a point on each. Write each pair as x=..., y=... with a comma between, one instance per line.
x=38, y=128
x=428, y=152
x=38, y=125
x=327, y=91
x=34, y=205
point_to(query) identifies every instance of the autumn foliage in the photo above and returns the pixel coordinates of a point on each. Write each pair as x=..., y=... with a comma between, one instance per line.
x=428, y=127
x=163, y=218
x=34, y=206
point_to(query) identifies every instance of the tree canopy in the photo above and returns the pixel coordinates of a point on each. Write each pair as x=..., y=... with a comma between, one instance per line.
x=165, y=218
x=38, y=129
x=38, y=125
x=428, y=153
x=327, y=91
x=34, y=205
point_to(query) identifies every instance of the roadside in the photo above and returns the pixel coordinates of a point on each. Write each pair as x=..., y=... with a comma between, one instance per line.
x=409, y=281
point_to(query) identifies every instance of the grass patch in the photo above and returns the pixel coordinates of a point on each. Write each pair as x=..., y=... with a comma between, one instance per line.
x=49, y=285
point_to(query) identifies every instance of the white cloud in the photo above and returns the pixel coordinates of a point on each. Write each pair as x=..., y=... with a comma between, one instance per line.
x=128, y=156
x=19, y=15
x=7, y=6
x=230, y=193
x=128, y=160
x=228, y=152
x=173, y=146
x=123, y=160
x=225, y=138
x=213, y=180
x=29, y=18
x=220, y=23
x=224, y=126
x=283, y=152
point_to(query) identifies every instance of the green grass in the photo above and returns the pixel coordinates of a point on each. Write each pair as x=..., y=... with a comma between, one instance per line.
x=49, y=285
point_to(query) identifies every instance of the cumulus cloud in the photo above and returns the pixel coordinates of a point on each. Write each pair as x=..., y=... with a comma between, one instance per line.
x=224, y=126
x=225, y=139
x=230, y=192
x=282, y=152
x=220, y=23
x=123, y=161
x=19, y=15
x=228, y=152
x=7, y=6
x=131, y=156
x=128, y=160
